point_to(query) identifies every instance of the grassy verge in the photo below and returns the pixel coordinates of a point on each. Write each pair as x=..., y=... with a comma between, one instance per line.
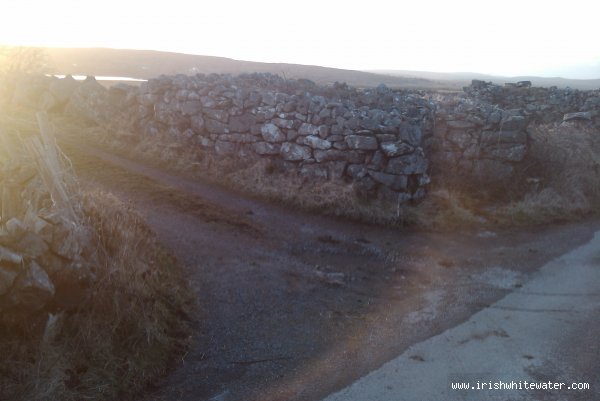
x=112, y=338
x=563, y=174
x=121, y=339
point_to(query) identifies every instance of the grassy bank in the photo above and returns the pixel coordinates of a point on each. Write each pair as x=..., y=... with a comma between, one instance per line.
x=117, y=335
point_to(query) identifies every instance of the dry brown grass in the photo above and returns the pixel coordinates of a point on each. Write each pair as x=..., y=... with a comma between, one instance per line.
x=126, y=334
x=131, y=326
x=564, y=176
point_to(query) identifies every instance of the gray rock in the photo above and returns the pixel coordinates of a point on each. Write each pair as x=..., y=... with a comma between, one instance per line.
x=356, y=171
x=382, y=89
x=208, y=102
x=377, y=161
x=495, y=117
x=461, y=139
x=352, y=123
x=254, y=100
x=32, y=288
x=323, y=131
x=32, y=245
x=293, y=152
x=272, y=133
x=386, y=137
x=166, y=114
x=289, y=107
x=314, y=171
x=225, y=148
x=216, y=114
x=182, y=94
x=369, y=123
x=291, y=135
x=316, y=142
x=393, y=149
x=8, y=256
x=414, y=163
x=308, y=129
x=197, y=124
x=216, y=127
x=582, y=115
x=205, y=142
x=269, y=98
x=190, y=107
x=361, y=142
x=266, y=148
x=411, y=134
x=7, y=278
x=283, y=123
x=395, y=182
x=514, y=123
x=336, y=169
x=337, y=129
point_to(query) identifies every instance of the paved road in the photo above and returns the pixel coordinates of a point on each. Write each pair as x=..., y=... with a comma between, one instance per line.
x=544, y=331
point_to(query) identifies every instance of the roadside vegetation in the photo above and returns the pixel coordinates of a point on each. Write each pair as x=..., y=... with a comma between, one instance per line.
x=563, y=177
x=111, y=338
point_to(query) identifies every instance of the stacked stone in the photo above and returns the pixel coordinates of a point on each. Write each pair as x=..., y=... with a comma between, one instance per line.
x=374, y=137
x=42, y=253
x=541, y=105
x=478, y=141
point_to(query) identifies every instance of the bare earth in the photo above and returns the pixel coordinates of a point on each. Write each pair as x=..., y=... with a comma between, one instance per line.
x=294, y=306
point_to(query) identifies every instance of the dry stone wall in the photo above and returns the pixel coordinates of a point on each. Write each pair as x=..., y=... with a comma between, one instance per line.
x=478, y=143
x=542, y=105
x=481, y=136
x=374, y=137
x=387, y=142
x=47, y=259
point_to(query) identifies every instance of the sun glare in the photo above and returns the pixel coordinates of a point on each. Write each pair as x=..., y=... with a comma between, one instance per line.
x=509, y=38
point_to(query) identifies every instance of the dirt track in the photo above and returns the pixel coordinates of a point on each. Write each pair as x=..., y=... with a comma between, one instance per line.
x=295, y=306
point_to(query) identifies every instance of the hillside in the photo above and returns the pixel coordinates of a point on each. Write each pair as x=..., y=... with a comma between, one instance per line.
x=148, y=64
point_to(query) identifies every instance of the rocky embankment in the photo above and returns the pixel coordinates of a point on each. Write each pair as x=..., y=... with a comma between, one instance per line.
x=47, y=254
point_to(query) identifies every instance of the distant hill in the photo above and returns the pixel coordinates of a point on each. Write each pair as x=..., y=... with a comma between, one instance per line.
x=460, y=79
x=147, y=64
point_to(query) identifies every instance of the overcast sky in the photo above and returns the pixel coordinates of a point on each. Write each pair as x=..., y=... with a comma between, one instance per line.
x=508, y=37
